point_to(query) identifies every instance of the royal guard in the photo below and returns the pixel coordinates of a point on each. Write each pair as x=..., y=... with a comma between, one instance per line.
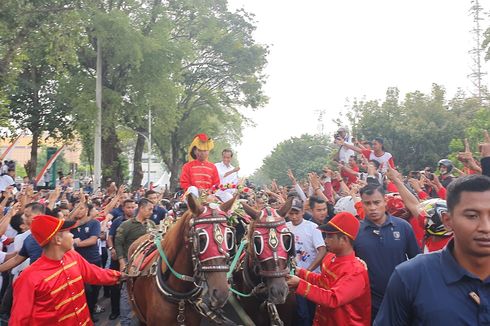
x=198, y=171
x=51, y=290
x=341, y=291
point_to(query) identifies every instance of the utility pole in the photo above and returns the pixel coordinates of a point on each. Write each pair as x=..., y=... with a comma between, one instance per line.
x=477, y=74
x=149, y=147
x=98, y=122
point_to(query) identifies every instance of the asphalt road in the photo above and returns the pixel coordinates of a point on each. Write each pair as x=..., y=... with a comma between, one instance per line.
x=106, y=304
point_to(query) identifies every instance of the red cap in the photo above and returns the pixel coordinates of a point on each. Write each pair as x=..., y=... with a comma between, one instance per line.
x=44, y=227
x=343, y=222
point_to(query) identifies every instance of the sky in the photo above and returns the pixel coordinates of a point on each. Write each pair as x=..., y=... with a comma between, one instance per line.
x=325, y=53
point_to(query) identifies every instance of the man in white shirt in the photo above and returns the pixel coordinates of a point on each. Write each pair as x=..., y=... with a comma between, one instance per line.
x=227, y=174
x=310, y=250
x=7, y=179
x=344, y=152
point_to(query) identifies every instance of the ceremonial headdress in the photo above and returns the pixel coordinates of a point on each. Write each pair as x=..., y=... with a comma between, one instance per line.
x=202, y=142
x=44, y=227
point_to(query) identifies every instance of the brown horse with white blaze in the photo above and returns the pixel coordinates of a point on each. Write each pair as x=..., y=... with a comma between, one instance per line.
x=190, y=278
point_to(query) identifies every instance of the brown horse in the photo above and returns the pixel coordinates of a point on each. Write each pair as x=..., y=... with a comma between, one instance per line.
x=261, y=278
x=197, y=247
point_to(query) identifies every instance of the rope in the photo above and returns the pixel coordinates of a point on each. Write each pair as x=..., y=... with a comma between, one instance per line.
x=243, y=243
x=157, y=241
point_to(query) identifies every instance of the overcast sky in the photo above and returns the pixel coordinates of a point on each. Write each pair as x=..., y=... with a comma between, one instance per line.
x=325, y=52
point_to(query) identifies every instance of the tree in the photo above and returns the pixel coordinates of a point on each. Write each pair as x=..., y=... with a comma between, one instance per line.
x=221, y=72
x=302, y=155
x=417, y=130
x=35, y=103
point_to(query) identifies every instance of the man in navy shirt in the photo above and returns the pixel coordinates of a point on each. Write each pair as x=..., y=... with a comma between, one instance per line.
x=85, y=242
x=128, y=207
x=452, y=286
x=384, y=241
x=159, y=212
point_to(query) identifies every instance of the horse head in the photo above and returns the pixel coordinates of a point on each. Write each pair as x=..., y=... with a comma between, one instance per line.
x=271, y=247
x=212, y=240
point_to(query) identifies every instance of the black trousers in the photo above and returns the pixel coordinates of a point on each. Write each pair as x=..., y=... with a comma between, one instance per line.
x=115, y=290
x=92, y=292
x=105, y=256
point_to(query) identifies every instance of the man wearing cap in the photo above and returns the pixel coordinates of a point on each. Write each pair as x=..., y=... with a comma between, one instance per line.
x=310, y=250
x=198, y=171
x=341, y=291
x=51, y=290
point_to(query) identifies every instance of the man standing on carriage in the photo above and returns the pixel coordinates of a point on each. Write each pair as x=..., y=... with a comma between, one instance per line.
x=198, y=171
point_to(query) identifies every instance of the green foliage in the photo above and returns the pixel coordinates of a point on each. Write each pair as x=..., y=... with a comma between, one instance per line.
x=302, y=154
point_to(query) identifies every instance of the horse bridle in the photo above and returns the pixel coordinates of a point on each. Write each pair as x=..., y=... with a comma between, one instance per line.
x=199, y=226
x=197, y=234
x=276, y=238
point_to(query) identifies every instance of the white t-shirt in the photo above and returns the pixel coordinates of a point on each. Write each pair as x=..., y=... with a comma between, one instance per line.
x=18, y=242
x=222, y=169
x=344, y=152
x=5, y=181
x=307, y=239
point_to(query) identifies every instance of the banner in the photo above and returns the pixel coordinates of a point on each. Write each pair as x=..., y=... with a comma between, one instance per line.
x=9, y=148
x=48, y=164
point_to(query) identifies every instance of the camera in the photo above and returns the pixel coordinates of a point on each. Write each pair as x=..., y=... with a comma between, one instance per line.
x=429, y=176
x=337, y=136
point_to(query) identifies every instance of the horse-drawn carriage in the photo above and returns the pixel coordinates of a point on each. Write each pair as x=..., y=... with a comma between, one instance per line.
x=189, y=269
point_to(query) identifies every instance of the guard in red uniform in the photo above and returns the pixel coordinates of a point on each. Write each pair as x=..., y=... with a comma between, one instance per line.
x=51, y=290
x=341, y=291
x=198, y=171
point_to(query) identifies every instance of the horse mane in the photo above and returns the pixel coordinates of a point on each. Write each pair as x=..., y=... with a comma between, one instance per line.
x=174, y=239
x=249, y=236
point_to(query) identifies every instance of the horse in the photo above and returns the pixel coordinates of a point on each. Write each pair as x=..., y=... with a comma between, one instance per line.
x=188, y=278
x=260, y=281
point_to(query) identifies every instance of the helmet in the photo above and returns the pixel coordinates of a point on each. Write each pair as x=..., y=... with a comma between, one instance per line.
x=432, y=209
x=447, y=163
x=345, y=204
x=396, y=207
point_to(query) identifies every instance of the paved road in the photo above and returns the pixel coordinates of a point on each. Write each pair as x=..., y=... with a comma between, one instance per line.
x=106, y=304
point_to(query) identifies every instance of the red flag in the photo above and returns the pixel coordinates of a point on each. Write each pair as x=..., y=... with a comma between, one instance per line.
x=48, y=164
x=9, y=148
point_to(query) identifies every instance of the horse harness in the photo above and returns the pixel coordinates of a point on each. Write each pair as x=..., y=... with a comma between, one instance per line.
x=210, y=221
x=276, y=234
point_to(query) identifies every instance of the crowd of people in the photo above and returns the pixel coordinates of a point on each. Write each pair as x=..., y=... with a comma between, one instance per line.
x=372, y=246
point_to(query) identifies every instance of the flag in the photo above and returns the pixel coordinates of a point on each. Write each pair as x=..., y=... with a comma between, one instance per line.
x=10, y=147
x=48, y=164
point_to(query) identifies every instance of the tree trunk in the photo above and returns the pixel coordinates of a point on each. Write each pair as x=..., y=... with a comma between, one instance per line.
x=31, y=165
x=111, y=162
x=137, y=168
x=176, y=163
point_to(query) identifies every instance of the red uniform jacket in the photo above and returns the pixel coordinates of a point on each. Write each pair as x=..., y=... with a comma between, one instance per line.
x=202, y=175
x=51, y=292
x=341, y=291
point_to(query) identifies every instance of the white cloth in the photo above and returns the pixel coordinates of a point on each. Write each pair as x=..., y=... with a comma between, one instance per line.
x=307, y=239
x=5, y=181
x=10, y=233
x=18, y=242
x=344, y=152
x=222, y=169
